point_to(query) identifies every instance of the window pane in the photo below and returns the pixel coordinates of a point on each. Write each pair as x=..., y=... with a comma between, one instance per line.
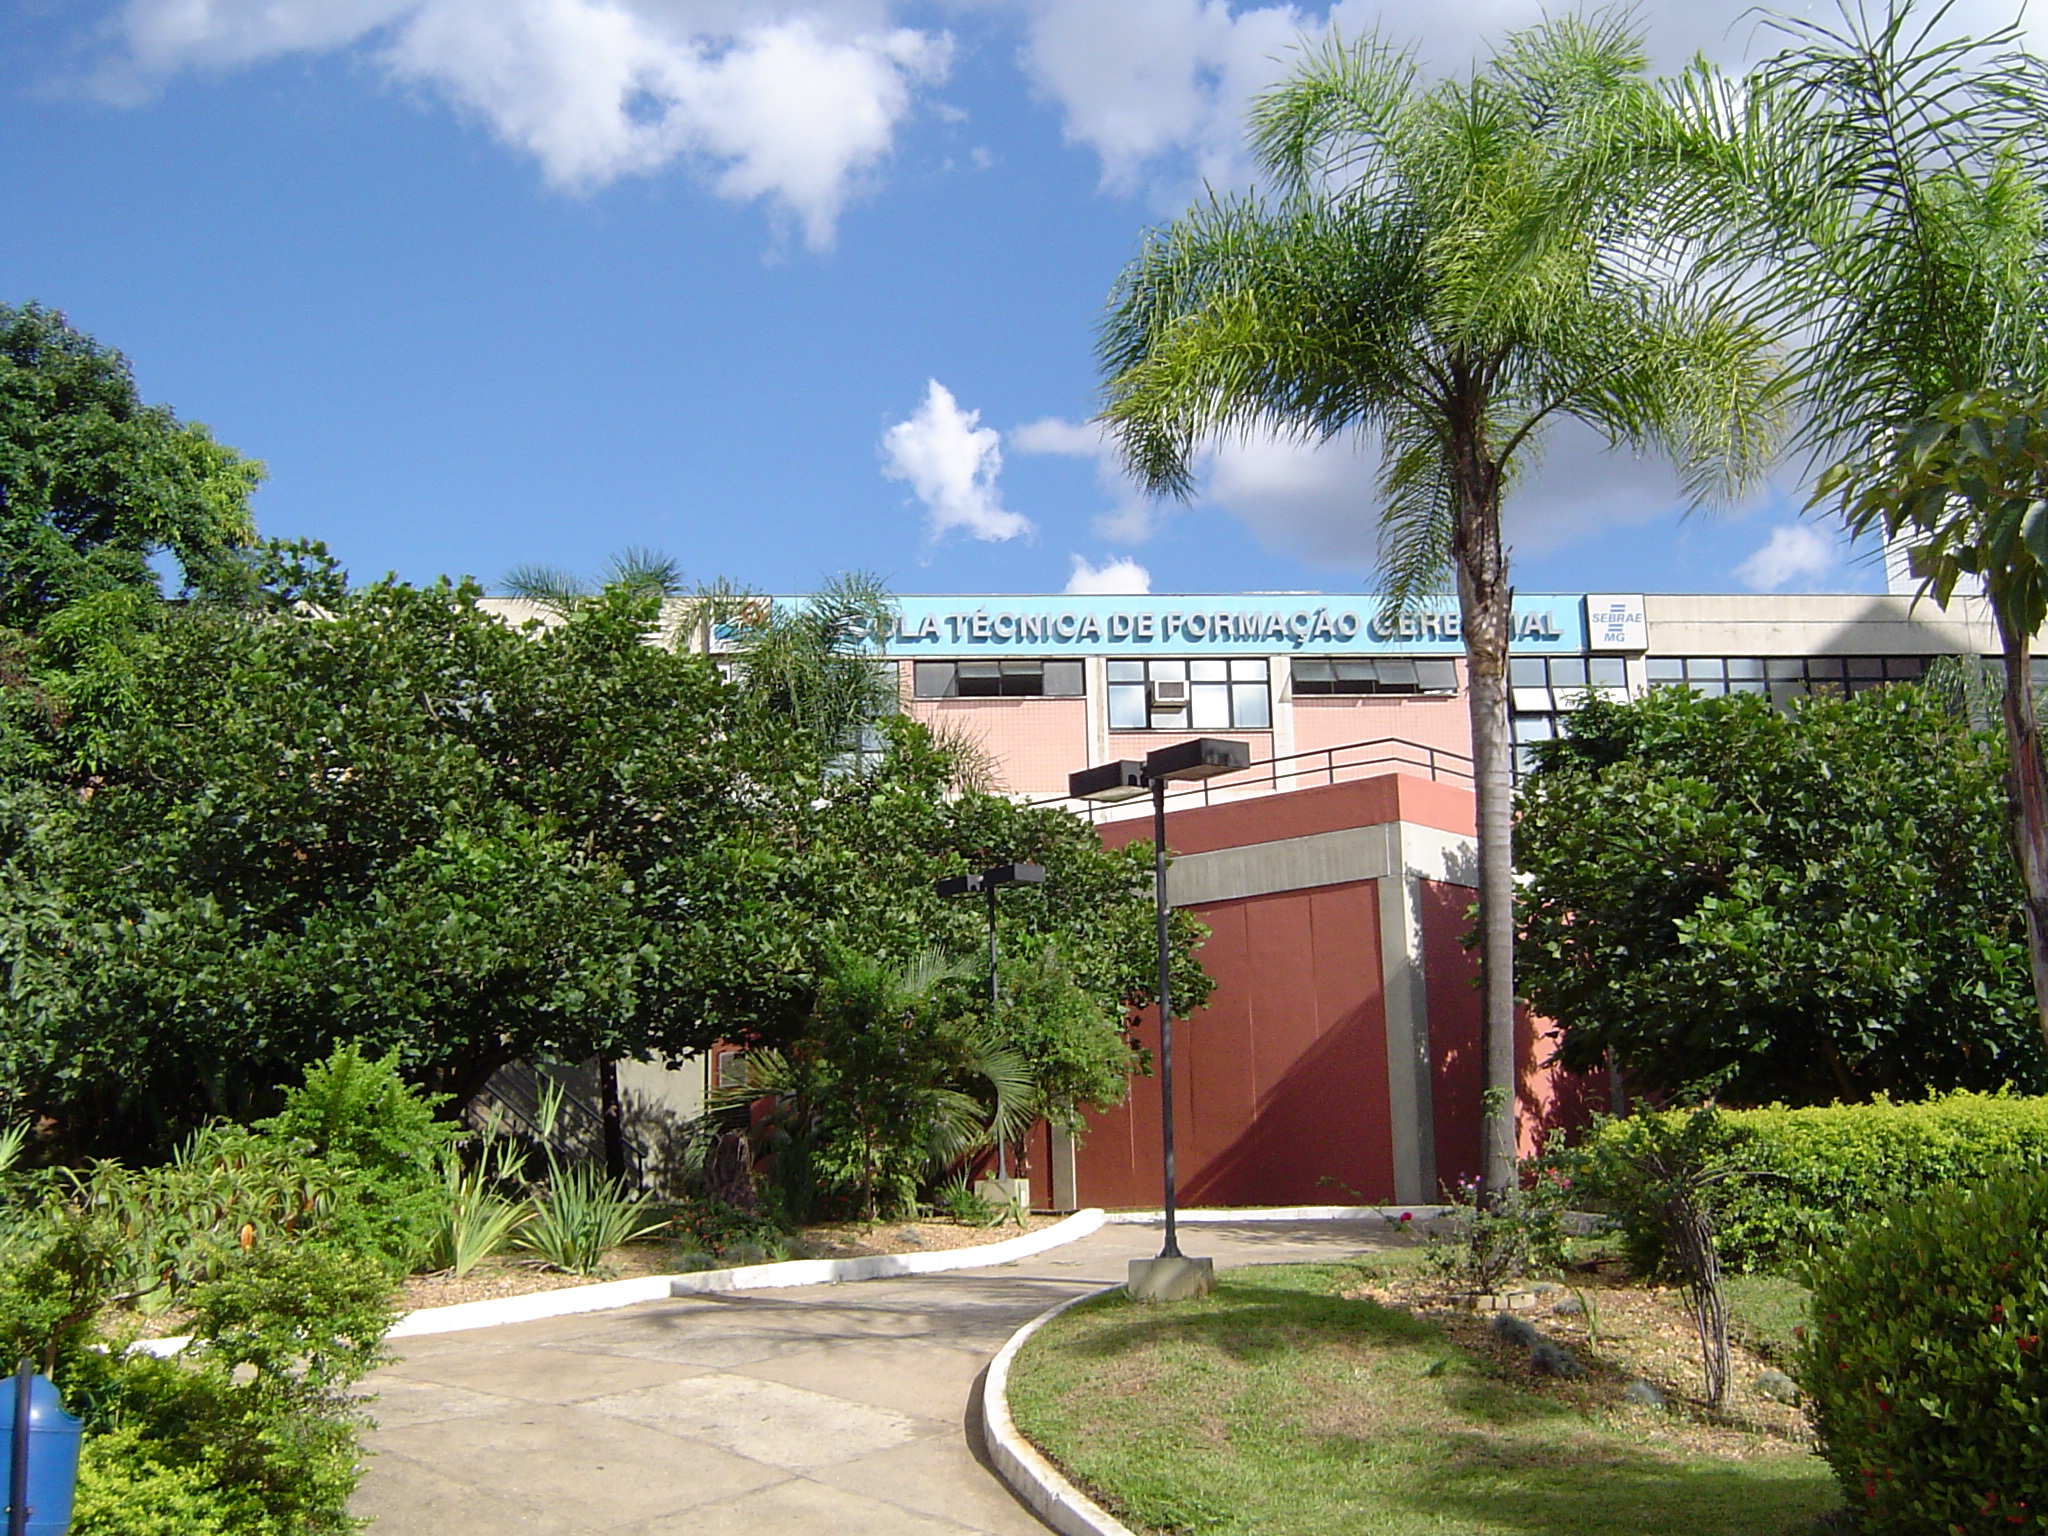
x=1251, y=707
x=1607, y=672
x=1437, y=676
x=1313, y=671
x=979, y=679
x=1567, y=672
x=1209, y=671
x=1169, y=670
x=1396, y=676
x=1534, y=728
x=1823, y=666
x=1662, y=670
x=1707, y=687
x=1064, y=679
x=1866, y=666
x=1785, y=668
x=1783, y=693
x=1248, y=669
x=1209, y=706
x=1904, y=666
x=1527, y=672
x=1702, y=666
x=1745, y=666
x=1745, y=685
x=1127, y=706
x=934, y=679
x=1127, y=671
x=1531, y=700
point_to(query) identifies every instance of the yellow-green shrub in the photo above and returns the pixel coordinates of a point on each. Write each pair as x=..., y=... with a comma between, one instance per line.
x=1815, y=1171
x=1924, y=1369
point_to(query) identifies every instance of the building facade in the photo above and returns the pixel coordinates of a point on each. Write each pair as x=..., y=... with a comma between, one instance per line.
x=1338, y=1060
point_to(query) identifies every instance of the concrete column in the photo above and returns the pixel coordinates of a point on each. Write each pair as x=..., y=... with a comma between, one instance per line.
x=1061, y=1175
x=1405, y=994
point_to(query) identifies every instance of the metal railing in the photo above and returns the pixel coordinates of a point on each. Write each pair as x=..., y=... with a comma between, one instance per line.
x=1313, y=769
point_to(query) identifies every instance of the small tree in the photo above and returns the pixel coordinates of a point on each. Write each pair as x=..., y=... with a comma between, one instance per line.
x=1815, y=904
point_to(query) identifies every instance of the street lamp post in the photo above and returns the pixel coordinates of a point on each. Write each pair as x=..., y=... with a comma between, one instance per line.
x=988, y=882
x=1172, y=1275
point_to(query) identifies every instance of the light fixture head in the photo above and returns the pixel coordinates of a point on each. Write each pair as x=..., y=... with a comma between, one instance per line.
x=957, y=885
x=1203, y=758
x=1013, y=874
x=1107, y=782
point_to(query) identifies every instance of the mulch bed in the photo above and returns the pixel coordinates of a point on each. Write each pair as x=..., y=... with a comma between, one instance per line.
x=1643, y=1333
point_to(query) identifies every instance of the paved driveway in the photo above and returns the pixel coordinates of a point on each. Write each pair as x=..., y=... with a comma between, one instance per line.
x=845, y=1409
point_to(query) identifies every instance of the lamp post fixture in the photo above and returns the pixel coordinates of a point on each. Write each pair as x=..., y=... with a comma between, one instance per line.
x=987, y=883
x=1172, y=1275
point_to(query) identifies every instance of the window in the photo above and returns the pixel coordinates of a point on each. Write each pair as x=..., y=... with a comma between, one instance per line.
x=998, y=679
x=1315, y=675
x=1203, y=695
x=1783, y=678
x=1544, y=685
x=1541, y=688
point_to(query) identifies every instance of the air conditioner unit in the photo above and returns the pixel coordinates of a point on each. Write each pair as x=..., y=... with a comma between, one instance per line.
x=1169, y=693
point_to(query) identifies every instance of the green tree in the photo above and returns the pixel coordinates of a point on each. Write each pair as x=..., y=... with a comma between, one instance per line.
x=1811, y=906
x=402, y=823
x=1879, y=189
x=1451, y=266
x=93, y=483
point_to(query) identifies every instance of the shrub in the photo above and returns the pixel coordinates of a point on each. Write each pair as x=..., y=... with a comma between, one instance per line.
x=1925, y=1369
x=719, y=1230
x=252, y=1431
x=357, y=1116
x=581, y=1215
x=1814, y=1171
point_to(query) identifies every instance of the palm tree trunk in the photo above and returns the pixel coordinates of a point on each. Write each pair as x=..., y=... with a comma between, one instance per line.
x=2026, y=793
x=1486, y=605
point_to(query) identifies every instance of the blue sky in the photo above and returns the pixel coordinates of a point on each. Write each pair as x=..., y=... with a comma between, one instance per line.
x=777, y=288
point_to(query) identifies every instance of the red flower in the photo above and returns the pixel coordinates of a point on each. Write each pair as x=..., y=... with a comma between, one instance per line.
x=2029, y=1340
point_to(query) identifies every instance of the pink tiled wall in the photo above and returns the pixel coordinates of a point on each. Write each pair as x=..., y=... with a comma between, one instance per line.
x=1032, y=744
x=1440, y=721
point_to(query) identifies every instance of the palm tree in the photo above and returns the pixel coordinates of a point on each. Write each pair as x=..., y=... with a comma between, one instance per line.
x=1881, y=192
x=1452, y=267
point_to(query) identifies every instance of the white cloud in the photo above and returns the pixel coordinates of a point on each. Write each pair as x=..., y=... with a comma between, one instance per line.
x=1121, y=576
x=951, y=462
x=1796, y=553
x=1132, y=517
x=793, y=106
x=1143, y=81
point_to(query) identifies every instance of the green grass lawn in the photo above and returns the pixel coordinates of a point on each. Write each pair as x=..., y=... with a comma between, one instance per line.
x=1280, y=1407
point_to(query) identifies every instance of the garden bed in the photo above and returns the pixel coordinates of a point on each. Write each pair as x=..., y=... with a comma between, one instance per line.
x=1343, y=1398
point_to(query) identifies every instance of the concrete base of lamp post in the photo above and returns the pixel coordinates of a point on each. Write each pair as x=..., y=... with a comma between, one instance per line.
x=1005, y=1193
x=1174, y=1278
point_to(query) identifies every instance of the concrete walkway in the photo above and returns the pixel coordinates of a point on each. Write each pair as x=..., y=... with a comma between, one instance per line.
x=833, y=1409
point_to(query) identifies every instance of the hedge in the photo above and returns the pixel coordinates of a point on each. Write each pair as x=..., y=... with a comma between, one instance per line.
x=1924, y=1370
x=1810, y=1173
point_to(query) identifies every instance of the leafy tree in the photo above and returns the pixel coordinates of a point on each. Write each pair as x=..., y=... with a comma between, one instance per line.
x=1451, y=266
x=1811, y=906
x=403, y=823
x=1879, y=190
x=93, y=483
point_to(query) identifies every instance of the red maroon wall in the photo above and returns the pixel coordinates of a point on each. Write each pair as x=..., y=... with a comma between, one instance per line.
x=1281, y=1082
x=1549, y=1099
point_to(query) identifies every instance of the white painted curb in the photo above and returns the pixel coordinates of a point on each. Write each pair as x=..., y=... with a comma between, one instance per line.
x=1386, y=1215
x=1036, y=1481
x=880, y=1266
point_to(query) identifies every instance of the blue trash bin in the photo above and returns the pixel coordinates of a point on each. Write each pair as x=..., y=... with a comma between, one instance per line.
x=53, y=1437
